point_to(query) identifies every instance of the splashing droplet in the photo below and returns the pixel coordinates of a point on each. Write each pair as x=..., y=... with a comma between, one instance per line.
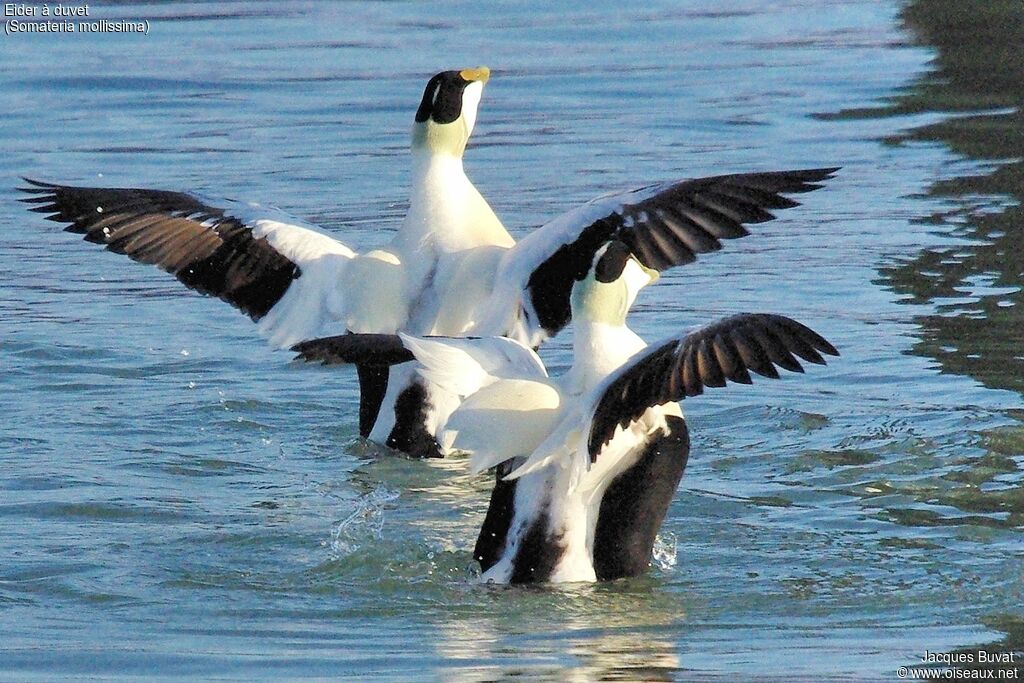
x=365, y=522
x=665, y=551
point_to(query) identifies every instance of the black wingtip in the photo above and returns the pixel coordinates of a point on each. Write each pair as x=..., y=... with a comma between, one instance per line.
x=307, y=349
x=817, y=174
x=310, y=345
x=824, y=346
x=38, y=198
x=310, y=351
x=37, y=185
x=816, y=340
x=809, y=179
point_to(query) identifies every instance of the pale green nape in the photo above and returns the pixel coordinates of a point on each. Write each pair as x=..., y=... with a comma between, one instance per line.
x=600, y=302
x=441, y=138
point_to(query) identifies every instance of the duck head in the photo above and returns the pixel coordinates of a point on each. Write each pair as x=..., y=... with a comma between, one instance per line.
x=447, y=112
x=605, y=293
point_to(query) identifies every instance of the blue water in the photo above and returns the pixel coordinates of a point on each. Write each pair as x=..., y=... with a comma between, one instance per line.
x=177, y=499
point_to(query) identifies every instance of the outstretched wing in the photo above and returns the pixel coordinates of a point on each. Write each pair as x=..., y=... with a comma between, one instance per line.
x=279, y=270
x=726, y=350
x=664, y=225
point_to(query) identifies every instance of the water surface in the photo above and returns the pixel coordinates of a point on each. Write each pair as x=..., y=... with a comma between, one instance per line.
x=177, y=499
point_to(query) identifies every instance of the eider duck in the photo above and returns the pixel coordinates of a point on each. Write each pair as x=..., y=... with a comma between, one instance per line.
x=587, y=462
x=451, y=269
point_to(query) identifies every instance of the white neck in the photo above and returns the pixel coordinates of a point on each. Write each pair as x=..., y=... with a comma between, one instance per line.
x=598, y=350
x=432, y=171
x=445, y=209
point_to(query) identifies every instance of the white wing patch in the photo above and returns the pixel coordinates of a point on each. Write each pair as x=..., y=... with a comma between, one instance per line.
x=464, y=366
x=375, y=287
x=315, y=298
x=510, y=311
x=501, y=421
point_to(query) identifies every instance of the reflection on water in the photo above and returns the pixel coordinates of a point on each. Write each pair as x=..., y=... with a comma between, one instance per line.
x=974, y=284
x=621, y=631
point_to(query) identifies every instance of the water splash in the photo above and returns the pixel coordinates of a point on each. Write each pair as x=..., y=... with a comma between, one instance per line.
x=365, y=522
x=665, y=551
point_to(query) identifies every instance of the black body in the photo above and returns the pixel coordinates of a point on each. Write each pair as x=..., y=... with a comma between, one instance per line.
x=410, y=434
x=634, y=506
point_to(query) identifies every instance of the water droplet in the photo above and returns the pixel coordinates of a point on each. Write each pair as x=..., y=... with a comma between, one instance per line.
x=365, y=522
x=665, y=551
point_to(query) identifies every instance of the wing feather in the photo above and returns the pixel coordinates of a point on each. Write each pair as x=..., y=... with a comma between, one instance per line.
x=253, y=258
x=706, y=357
x=665, y=225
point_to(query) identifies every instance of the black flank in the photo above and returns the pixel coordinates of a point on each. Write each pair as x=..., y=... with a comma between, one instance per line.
x=410, y=434
x=538, y=553
x=373, y=384
x=494, y=531
x=635, y=505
